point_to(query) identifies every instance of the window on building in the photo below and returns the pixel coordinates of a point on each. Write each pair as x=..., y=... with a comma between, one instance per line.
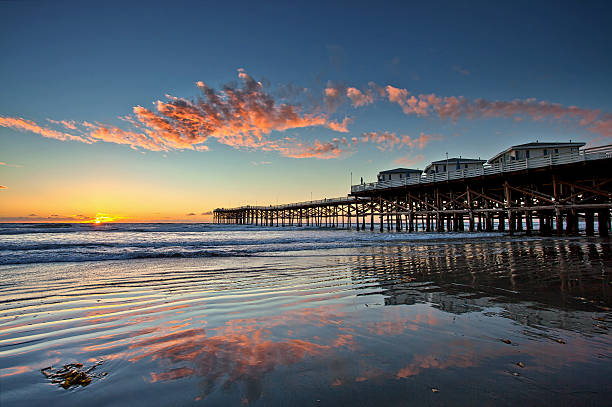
x=444, y=168
x=556, y=151
x=527, y=154
x=466, y=166
x=401, y=176
x=545, y=152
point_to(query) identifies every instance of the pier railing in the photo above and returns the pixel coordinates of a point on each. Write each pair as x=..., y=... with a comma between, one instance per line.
x=595, y=153
x=327, y=201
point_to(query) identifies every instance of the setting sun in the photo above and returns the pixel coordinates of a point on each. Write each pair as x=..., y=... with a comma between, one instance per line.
x=102, y=218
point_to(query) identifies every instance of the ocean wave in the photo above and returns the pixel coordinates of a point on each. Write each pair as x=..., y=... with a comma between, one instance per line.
x=139, y=241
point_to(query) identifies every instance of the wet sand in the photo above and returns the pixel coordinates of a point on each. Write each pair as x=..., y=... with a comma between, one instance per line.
x=488, y=321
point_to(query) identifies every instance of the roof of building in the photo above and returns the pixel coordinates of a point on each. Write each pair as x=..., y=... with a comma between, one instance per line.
x=537, y=144
x=533, y=145
x=461, y=161
x=400, y=171
x=454, y=161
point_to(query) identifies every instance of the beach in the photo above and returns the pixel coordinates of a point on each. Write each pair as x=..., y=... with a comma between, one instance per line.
x=229, y=315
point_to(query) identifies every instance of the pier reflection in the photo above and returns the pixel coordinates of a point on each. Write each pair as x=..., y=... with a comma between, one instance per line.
x=422, y=308
x=465, y=277
x=371, y=326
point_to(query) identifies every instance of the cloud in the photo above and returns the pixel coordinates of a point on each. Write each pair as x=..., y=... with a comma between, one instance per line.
x=256, y=163
x=409, y=105
x=461, y=70
x=333, y=96
x=336, y=94
x=238, y=116
x=359, y=98
x=243, y=115
x=190, y=214
x=603, y=126
x=10, y=165
x=339, y=127
x=321, y=150
x=3, y=187
x=455, y=108
x=409, y=160
x=387, y=141
x=69, y=124
x=206, y=213
x=20, y=124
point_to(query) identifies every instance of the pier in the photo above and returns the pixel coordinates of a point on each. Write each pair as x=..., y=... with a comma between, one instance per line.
x=545, y=195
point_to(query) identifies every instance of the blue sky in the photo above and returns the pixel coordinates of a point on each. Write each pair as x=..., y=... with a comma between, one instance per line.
x=93, y=63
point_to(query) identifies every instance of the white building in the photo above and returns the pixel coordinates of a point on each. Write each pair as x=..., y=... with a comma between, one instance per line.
x=453, y=164
x=533, y=150
x=398, y=174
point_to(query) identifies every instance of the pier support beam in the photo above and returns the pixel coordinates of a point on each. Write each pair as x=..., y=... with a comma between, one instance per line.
x=371, y=215
x=603, y=218
x=589, y=223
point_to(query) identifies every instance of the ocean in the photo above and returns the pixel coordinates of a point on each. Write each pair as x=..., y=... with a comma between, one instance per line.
x=201, y=314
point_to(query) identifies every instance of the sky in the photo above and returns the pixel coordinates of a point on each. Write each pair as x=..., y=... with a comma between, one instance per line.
x=157, y=111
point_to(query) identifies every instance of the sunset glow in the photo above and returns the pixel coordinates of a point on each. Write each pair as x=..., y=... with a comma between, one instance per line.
x=103, y=218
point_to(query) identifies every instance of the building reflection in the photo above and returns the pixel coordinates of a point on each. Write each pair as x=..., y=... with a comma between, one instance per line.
x=536, y=283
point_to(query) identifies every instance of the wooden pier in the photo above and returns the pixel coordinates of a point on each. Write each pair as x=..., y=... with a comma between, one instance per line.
x=545, y=195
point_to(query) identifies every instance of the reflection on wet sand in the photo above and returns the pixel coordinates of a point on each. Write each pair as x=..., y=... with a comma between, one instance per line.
x=376, y=323
x=521, y=282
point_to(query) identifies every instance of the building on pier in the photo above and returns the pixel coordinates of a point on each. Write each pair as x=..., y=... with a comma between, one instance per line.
x=452, y=164
x=398, y=174
x=556, y=192
x=535, y=150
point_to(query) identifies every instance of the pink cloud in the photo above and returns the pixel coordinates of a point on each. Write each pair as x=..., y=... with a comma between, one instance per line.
x=321, y=150
x=409, y=160
x=10, y=165
x=387, y=141
x=358, y=98
x=455, y=108
x=603, y=127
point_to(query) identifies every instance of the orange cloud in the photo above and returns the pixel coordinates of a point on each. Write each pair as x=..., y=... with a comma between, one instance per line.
x=69, y=124
x=3, y=187
x=18, y=123
x=238, y=116
x=339, y=127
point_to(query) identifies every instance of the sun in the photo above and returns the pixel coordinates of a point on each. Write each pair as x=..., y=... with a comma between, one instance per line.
x=101, y=218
